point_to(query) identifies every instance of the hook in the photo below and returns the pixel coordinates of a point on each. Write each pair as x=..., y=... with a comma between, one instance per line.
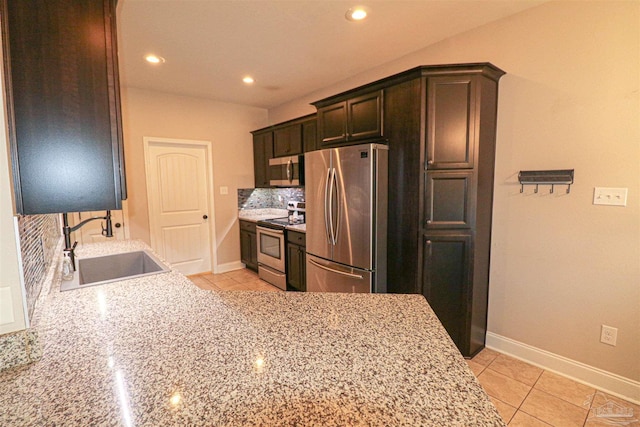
x=551, y=191
x=522, y=188
x=568, y=188
x=536, y=190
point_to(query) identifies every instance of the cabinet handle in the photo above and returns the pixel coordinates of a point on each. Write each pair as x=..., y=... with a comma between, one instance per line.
x=429, y=247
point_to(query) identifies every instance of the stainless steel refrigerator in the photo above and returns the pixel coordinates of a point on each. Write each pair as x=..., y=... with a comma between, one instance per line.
x=346, y=196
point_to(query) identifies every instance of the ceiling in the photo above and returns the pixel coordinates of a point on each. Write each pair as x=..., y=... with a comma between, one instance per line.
x=290, y=47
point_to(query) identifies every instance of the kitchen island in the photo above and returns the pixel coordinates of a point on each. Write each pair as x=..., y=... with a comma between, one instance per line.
x=157, y=350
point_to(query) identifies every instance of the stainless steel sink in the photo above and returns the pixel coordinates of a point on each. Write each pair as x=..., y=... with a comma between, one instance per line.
x=111, y=268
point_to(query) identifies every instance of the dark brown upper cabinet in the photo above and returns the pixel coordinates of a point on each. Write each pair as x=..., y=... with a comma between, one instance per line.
x=63, y=105
x=287, y=140
x=451, y=122
x=350, y=120
x=309, y=134
x=262, y=152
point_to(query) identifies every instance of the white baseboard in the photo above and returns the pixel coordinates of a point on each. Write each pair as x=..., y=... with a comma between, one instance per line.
x=608, y=382
x=230, y=266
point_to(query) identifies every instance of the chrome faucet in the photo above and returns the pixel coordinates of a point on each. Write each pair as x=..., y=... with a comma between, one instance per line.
x=107, y=231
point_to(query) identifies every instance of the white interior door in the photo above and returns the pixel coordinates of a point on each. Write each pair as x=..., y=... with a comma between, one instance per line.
x=178, y=188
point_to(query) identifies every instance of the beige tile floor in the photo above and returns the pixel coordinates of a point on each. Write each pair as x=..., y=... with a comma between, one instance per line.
x=526, y=396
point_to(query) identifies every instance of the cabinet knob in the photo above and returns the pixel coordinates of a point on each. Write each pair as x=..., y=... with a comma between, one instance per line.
x=428, y=221
x=430, y=162
x=205, y=217
x=117, y=225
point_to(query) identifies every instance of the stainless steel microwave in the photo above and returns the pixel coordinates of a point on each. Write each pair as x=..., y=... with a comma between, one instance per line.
x=286, y=171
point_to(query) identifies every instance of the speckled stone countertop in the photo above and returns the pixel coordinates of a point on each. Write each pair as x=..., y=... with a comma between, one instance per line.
x=158, y=351
x=255, y=215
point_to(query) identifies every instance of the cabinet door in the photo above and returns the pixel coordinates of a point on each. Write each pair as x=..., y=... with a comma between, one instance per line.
x=248, y=250
x=262, y=152
x=296, y=277
x=332, y=124
x=309, y=135
x=287, y=141
x=445, y=281
x=253, y=252
x=451, y=123
x=63, y=104
x=365, y=117
x=449, y=199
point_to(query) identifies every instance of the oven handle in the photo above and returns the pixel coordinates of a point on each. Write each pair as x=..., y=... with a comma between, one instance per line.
x=270, y=232
x=324, y=267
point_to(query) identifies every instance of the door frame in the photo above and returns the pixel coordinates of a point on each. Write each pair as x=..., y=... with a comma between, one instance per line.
x=208, y=147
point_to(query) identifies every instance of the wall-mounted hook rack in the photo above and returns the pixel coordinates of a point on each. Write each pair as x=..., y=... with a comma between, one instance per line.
x=546, y=177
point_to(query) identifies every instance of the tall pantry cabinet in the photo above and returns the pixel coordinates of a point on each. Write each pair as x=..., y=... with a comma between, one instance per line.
x=440, y=124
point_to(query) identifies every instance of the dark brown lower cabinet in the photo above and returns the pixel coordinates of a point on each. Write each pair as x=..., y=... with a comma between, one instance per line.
x=296, y=268
x=248, y=245
x=446, y=273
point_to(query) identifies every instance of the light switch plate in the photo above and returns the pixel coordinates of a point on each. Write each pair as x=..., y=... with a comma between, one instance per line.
x=610, y=196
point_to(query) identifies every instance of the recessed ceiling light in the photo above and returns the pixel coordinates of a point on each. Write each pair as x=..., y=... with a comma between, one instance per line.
x=357, y=13
x=248, y=80
x=154, y=59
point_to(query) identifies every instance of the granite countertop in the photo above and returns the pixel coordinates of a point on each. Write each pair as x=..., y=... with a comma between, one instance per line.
x=255, y=215
x=158, y=350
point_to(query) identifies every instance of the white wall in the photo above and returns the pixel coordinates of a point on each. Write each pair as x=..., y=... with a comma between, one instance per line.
x=227, y=126
x=560, y=266
x=12, y=316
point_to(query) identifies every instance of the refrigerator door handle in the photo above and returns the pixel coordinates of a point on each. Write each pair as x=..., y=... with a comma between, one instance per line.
x=326, y=206
x=324, y=267
x=333, y=222
x=336, y=225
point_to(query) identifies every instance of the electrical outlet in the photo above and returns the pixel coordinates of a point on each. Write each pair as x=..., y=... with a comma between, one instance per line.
x=224, y=190
x=609, y=335
x=610, y=196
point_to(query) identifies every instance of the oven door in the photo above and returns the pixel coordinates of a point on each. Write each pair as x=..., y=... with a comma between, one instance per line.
x=271, y=248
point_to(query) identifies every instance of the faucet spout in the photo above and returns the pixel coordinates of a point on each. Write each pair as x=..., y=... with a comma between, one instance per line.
x=107, y=231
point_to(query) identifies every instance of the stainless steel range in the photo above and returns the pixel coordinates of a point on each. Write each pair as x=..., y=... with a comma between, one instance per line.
x=272, y=245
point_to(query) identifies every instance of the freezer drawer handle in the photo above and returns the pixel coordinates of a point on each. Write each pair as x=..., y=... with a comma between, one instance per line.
x=324, y=267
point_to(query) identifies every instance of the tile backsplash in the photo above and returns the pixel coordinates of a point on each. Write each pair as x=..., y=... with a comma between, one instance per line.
x=39, y=238
x=273, y=198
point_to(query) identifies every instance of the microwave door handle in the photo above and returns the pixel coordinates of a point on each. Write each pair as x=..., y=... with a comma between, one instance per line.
x=289, y=170
x=326, y=205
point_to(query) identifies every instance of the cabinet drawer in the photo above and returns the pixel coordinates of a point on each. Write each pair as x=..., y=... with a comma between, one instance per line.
x=248, y=226
x=296, y=238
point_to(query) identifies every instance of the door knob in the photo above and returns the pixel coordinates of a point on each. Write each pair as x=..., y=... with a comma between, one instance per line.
x=204, y=217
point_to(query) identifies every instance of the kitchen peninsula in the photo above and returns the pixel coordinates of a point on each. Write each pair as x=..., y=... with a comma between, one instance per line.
x=157, y=350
